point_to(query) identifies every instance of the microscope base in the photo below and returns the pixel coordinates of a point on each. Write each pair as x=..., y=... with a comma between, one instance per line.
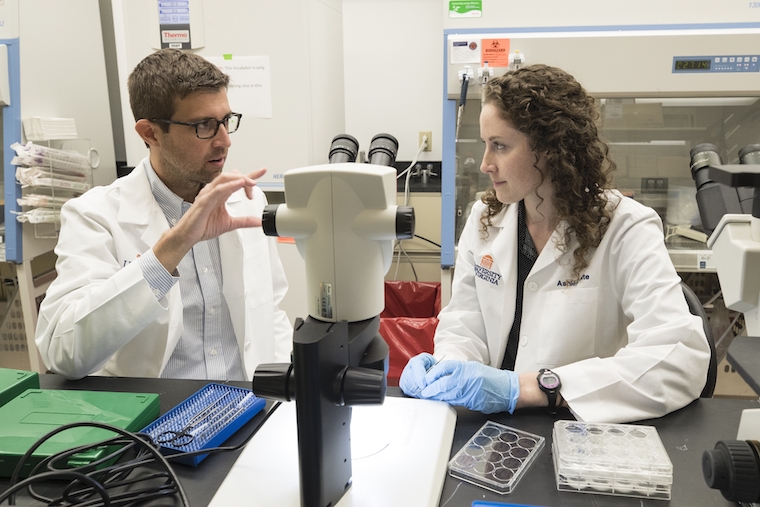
x=400, y=450
x=320, y=353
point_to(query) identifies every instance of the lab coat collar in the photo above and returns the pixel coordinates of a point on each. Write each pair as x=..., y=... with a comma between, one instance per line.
x=551, y=254
x=144, y=211
x=136, y=187
x=505, y=216
x=507, y=220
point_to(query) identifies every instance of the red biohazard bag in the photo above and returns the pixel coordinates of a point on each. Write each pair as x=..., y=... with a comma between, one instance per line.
x=408, y=322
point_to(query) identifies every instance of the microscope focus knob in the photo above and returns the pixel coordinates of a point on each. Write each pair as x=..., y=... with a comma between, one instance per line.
x=733, y=467
x=404, y=222
x=274, y=381
x=360, y=386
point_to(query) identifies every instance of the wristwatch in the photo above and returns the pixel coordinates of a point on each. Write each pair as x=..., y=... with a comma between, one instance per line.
x=548, y=382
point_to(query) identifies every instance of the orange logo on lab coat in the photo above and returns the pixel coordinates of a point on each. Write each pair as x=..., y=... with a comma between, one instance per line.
x=486, y=261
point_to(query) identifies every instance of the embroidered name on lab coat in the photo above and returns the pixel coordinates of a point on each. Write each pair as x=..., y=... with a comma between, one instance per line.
x=565, y=283
x=127, y=262
x=484, y=272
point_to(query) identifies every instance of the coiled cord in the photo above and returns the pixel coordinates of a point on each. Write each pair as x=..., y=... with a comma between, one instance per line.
x=133, y=471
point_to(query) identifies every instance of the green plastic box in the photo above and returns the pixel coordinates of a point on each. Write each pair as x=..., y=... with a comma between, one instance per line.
x=15, y=382
x=36, y=412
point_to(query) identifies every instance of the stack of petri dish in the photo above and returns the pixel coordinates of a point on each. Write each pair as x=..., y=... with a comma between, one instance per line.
x=612, y=459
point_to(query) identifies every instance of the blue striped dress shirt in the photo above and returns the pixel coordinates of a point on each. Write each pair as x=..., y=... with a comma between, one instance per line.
x=208, y=348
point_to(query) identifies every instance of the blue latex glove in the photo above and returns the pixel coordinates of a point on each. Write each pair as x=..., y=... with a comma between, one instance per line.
x=412, y=380
x=473, y=385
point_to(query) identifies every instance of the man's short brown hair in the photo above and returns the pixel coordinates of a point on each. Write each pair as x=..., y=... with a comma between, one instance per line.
x=163, y=78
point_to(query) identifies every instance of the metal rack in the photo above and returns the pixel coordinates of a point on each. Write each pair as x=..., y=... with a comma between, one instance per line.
x=38, y=239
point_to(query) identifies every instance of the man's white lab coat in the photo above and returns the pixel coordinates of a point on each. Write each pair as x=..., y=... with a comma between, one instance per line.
x=621, y=339
x=99, y=315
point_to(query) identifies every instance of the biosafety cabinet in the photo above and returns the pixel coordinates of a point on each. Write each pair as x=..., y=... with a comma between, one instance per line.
x=661, y=89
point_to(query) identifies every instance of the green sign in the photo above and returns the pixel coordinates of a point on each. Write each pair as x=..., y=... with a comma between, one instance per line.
x=465, y=8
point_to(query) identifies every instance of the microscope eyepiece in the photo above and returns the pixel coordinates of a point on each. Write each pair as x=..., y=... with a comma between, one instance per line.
x=383, y=149
x=344, y=148
x=702, y=156
x=750, y=154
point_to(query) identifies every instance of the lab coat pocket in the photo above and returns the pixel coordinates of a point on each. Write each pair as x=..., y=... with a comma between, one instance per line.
x=568, y=326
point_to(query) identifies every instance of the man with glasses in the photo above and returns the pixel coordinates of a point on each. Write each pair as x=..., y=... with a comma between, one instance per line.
x=166, y=272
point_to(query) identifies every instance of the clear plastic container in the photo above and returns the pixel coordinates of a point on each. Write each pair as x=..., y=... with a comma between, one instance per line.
x=612, y=459
x=496, y=457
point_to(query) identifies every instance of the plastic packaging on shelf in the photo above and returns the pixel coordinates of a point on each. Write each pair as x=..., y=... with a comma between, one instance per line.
x=496, y=457
x=39, y=216
x=612, y=459
x=31, y=154
x=41, y=177
x=42, y=200
x=42, y=129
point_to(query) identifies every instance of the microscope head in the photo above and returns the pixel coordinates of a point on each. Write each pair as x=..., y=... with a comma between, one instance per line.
x=344, y=219
x=734, y=225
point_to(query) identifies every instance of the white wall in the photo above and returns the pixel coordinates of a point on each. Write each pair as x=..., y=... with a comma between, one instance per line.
x=383, y=72
x=63, y=72
x=393, y=65
x=63, y=75
x=303, y=40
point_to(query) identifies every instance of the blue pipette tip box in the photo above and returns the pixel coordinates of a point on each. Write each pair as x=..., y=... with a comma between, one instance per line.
x=223, y=410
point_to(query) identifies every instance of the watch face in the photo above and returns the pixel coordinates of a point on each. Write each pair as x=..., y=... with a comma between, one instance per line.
x=549, y=380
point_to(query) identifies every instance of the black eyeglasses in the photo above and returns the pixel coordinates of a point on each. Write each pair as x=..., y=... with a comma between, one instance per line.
x=207, y=129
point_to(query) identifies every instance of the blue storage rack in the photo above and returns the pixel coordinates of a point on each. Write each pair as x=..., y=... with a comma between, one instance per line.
x=204, y=420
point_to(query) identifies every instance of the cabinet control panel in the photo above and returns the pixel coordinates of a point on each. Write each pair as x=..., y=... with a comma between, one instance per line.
x=726, y=63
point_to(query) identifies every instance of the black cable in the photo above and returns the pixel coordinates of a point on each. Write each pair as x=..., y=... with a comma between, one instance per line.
x=10, y=493
x=230, y=448
x=462, y=102
x=85, y=484
x=463, y=91
x=428, y=240
x=96, y=485
x=94, y=469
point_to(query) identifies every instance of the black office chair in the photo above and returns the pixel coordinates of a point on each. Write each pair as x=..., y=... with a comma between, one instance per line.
x=696, y=308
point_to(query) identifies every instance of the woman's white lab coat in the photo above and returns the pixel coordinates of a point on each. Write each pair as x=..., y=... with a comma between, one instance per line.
x=621, y=339
x=100, y=316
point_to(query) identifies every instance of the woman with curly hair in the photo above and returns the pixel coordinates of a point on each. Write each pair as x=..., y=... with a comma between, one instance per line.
x=558, y=276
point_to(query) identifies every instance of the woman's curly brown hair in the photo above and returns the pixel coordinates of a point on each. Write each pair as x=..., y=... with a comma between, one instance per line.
x=559, y=118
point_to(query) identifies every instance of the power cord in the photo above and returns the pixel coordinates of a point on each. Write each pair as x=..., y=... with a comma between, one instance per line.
x=408, y=173
x=125, y=476
x=428, y=240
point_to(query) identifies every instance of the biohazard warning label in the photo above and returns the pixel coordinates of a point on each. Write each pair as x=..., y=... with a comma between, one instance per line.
x=495, y=52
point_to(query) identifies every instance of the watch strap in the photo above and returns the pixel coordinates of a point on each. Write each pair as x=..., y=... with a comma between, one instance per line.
x=551, y=392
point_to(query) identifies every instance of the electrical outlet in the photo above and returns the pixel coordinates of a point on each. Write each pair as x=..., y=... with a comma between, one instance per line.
x=429, y=135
